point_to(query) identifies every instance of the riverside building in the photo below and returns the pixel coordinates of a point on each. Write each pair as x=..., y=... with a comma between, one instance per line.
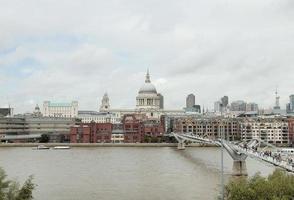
x=30, y=128
x=211, y=127
x=271, y=130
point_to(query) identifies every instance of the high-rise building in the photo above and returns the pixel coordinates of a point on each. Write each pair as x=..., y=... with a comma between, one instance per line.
x=217, y=106
x=190, y=101
x=66, y=110
x=292, y=102
x=290, y=105
x=225, y=101
x=251, y=107
x=161, y=105
x=238, y=106
x=190, y=104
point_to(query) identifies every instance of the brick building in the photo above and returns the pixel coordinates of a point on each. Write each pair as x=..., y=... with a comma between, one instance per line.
x=91, y=133
x=80, y=133
x=133, y=128
x=208, y=127
x=291, y=131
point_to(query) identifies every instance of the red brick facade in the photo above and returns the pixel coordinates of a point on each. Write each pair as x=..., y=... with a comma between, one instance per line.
x=134, y=127
x=80, y=134
x=91, y=133
x=291, y=131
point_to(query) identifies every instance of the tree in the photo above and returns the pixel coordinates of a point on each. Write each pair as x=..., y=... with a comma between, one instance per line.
x=11, y=190
x=277, y=186
x=44, y=138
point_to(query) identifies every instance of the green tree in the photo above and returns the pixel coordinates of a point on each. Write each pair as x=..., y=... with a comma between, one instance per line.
x=44, y=138
x=11, y=190
x=277, y=186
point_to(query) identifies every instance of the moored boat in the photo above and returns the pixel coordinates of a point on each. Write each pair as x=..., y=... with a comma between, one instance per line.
x=41, y=147
x=61, y=147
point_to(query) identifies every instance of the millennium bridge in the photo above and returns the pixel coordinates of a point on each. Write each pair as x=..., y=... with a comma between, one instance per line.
x=239, y=151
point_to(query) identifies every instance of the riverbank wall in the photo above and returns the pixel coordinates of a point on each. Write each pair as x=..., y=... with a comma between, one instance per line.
x=101, y=145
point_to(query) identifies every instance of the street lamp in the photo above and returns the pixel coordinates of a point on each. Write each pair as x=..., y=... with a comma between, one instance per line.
x=222, y=155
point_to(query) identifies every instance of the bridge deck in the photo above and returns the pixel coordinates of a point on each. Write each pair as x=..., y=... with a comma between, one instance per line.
x=284, y=164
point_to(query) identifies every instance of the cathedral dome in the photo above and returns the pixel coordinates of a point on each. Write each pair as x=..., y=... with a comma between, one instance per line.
x=147, y=87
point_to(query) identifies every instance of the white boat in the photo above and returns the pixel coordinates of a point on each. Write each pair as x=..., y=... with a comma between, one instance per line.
x=41, y=147
x=61, y=147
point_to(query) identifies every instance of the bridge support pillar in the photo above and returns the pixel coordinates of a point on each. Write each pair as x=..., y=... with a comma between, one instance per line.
x=181, y=145
x=239, y=168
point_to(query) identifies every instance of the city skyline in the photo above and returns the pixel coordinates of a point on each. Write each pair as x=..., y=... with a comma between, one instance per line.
x=189, y=47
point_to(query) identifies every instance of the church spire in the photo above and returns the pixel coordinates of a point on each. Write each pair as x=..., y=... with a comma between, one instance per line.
x=147, y=80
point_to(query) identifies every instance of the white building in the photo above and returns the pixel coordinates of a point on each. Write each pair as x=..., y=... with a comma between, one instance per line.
x=98, y=117
x=217, y=106
x=66, y=110
x=148, y=102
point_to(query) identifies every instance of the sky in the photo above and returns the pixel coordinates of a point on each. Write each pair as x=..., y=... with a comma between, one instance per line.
x=64, y=50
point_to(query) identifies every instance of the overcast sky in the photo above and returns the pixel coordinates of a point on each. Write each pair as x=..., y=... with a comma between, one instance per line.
x=63, y=50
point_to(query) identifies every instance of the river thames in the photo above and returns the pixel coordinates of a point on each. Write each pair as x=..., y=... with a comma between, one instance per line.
x=127, y=173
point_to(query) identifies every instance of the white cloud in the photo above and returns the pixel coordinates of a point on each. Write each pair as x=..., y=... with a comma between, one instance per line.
x=83, y=48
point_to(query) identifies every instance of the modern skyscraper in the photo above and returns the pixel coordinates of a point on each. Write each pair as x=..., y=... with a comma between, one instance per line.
x=217, y=106
x=190, y=101
x=238, y=106
x=225, y=101
x=290, y=105
x=161, y=104
x=251, y=107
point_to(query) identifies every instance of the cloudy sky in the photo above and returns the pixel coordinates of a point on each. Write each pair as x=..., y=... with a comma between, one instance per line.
x=63, y=50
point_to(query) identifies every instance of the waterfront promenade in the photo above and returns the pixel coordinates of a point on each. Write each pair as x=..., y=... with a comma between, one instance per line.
x=101, y=145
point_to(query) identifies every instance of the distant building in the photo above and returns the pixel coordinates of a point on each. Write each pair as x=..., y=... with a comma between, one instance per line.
x=37, y=111
x=148, y=102
x=105, y=105
x=190, y=104
x=98, y=117
x=225, y=101
x=148, y=98
x=6, y=112
x=217, y=106
x=238, y=106
x=66, y=110
x=277, y=102
x=190, y=101
x=251, y=107
x=30, y=128
x=161, y=104
x=290, y=105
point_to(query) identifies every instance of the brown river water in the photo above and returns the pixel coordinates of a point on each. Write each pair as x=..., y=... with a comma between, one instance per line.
x=124, y=173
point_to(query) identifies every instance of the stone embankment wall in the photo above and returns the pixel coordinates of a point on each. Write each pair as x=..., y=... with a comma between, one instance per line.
x=101, y=145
